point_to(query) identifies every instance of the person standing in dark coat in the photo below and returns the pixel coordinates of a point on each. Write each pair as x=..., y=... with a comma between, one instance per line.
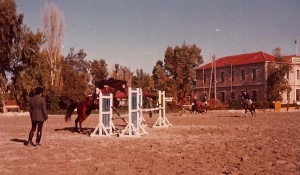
x=38, y=114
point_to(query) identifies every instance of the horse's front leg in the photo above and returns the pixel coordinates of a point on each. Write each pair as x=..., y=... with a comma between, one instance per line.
x=246, y=112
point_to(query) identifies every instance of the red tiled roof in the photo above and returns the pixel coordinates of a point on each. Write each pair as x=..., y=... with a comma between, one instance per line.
x=289, y=57
x=11, y=103
x=249, y=58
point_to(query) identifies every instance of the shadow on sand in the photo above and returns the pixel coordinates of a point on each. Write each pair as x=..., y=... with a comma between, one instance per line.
x=229, y=116
x=84, y=131
x=25, y=142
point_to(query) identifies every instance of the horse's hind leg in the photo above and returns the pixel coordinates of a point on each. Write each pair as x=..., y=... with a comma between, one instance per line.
x=80, y=126
x=76, y=123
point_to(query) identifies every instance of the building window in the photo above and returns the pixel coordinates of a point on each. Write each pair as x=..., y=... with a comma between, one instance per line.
x=298, y=74
x=222, y=97
x=288, y=96
x=232, y=76
x=297, y=94
x=243, y=74
x=254, y=95
x=232, y=95
x=254, y=74
x=222, y=76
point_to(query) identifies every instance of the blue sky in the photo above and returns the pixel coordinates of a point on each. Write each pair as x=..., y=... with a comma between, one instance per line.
x=136, y=33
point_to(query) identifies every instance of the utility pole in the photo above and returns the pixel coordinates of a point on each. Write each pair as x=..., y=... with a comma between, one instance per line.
x=296, y=43
x=211, y=77
x=230, y=78
x=203, y=82
x=215, y=77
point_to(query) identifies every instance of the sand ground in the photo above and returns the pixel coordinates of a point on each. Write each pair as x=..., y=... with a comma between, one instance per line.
x=220, y=142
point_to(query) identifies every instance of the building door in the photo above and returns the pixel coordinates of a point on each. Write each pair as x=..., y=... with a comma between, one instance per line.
x=222, y=97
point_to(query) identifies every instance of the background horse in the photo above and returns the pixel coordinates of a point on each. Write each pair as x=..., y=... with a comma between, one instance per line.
x=247, y=105
x=201, y=107
x=87, y=104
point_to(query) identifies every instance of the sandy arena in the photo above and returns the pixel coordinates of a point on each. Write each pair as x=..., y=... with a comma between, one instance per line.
x=215, y=143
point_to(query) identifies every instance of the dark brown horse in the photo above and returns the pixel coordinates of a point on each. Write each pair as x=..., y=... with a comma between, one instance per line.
x=87, y=104
x=248, y=106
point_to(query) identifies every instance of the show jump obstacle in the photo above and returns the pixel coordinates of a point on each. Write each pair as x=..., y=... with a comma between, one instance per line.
x=134, y=127
x=105, y=126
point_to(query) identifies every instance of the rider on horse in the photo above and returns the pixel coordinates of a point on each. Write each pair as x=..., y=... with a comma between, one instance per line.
x=102, y=86
x=246, y=96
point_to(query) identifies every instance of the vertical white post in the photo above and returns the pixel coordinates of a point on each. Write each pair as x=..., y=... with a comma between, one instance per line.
x=162, y=120
x=105, y=126
x=134, y=127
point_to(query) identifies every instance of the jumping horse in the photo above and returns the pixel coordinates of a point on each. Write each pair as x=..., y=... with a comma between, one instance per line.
x=89, y=103
x=248, y=106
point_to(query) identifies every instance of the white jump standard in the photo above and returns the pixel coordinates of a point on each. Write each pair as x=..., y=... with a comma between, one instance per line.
x=105, y=126
x=134, y=127
x=162, y=121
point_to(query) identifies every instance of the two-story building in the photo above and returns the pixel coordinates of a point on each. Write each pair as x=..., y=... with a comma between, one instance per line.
x=244, y=72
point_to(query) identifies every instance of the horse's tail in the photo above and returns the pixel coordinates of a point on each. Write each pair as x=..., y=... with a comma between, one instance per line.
x=70, y=110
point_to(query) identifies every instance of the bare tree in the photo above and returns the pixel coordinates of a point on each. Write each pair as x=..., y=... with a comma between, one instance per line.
x=53, y=26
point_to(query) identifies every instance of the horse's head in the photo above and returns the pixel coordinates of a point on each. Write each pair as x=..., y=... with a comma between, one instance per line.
x=124, y=88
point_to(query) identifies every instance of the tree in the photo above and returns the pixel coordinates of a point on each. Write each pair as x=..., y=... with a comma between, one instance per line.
x=53, y=27
x=276, y=81
x=179, y=66
x=75, y=76
x=29, y=67
x=159, y=77
x=98, y=70
x=143, y=80
x=122, y=73
x=11, y=29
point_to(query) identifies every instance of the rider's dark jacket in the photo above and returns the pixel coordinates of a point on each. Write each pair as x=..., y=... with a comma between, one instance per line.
x=246, y=96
